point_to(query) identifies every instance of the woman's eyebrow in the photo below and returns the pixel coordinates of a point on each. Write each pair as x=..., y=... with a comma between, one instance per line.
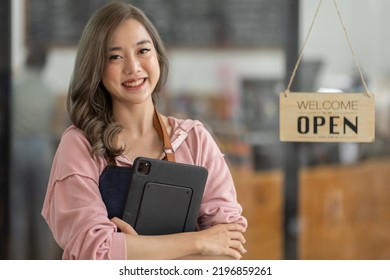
x=146, y=41
x=114, y=49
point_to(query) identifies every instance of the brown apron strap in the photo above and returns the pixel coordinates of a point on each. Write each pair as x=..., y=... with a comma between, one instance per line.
x=162, y=132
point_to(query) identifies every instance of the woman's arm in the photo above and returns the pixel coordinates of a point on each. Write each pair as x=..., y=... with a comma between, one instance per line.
x=219, y=203
x=224, y=241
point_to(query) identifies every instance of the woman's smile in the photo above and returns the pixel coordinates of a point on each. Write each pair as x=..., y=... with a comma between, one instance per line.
x=134, y=84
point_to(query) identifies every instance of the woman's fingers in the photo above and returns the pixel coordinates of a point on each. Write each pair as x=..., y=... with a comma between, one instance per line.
x=237, y=239
x=224, y=239
x=236, y=231
x=235, y=227
x=233, y=253
x=123, y=226
x=238, y=236
x=238, y=246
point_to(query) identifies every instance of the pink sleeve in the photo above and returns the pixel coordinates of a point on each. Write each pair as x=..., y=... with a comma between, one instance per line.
x=219, y=204
x=73, y=207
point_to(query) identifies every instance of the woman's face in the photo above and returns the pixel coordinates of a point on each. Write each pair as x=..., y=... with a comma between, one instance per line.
x=132, y=69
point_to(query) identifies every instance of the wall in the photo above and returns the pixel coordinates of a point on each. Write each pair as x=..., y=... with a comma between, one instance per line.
x=205, y=70
x=366, y=23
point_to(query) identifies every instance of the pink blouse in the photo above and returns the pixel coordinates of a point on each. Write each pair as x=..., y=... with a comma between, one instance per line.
x=77, y=216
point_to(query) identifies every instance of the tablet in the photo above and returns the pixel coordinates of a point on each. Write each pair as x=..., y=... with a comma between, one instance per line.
x=164, y=197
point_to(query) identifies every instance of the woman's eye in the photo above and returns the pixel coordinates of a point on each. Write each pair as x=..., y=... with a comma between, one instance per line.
x=115, y=57
x=144, y=51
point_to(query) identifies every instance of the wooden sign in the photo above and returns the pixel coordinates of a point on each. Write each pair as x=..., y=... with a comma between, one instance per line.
x=327, y=117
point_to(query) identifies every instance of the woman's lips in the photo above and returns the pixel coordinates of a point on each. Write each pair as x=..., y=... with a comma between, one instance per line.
x=134, y=83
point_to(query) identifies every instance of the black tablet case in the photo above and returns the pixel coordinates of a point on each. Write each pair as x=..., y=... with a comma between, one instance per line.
x=164, y=197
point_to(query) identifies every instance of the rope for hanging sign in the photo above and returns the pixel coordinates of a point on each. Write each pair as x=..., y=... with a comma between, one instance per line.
x=353, y=52
x=305, y=43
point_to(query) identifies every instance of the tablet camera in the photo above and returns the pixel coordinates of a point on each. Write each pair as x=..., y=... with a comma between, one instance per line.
x=144, y=167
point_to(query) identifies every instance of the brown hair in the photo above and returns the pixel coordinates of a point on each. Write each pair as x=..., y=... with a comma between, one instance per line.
x=88, y=102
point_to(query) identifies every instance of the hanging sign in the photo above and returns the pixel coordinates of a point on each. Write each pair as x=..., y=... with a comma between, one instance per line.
x=327, y=117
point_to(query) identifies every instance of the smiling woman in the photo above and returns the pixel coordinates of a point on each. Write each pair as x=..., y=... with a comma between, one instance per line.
x=132, y=69
x=120, y=68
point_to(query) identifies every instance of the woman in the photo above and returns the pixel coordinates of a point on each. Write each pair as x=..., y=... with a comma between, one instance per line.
x=121, y=66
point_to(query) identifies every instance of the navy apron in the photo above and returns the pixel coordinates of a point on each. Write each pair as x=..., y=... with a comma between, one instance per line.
x=115, y=180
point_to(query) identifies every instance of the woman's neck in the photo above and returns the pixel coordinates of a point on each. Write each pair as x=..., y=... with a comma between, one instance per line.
x=137, y=119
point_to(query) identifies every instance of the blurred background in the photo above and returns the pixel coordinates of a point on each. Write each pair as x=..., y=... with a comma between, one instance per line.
x=229, y=60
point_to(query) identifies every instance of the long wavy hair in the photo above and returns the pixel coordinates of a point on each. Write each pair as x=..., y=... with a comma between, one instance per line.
x=88, y=102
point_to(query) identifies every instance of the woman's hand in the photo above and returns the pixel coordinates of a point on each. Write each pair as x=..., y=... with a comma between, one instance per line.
x=123, y=226
x=222, y=240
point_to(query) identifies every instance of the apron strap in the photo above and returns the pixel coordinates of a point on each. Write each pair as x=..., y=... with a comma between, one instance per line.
x=162, y=132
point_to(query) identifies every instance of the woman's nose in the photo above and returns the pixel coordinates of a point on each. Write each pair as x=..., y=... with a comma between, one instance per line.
x=132, y=66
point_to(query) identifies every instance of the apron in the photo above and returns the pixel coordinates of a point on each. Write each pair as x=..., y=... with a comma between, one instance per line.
x=115, y=180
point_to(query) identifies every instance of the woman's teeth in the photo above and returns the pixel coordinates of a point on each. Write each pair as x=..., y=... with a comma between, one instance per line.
x=134, y=83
